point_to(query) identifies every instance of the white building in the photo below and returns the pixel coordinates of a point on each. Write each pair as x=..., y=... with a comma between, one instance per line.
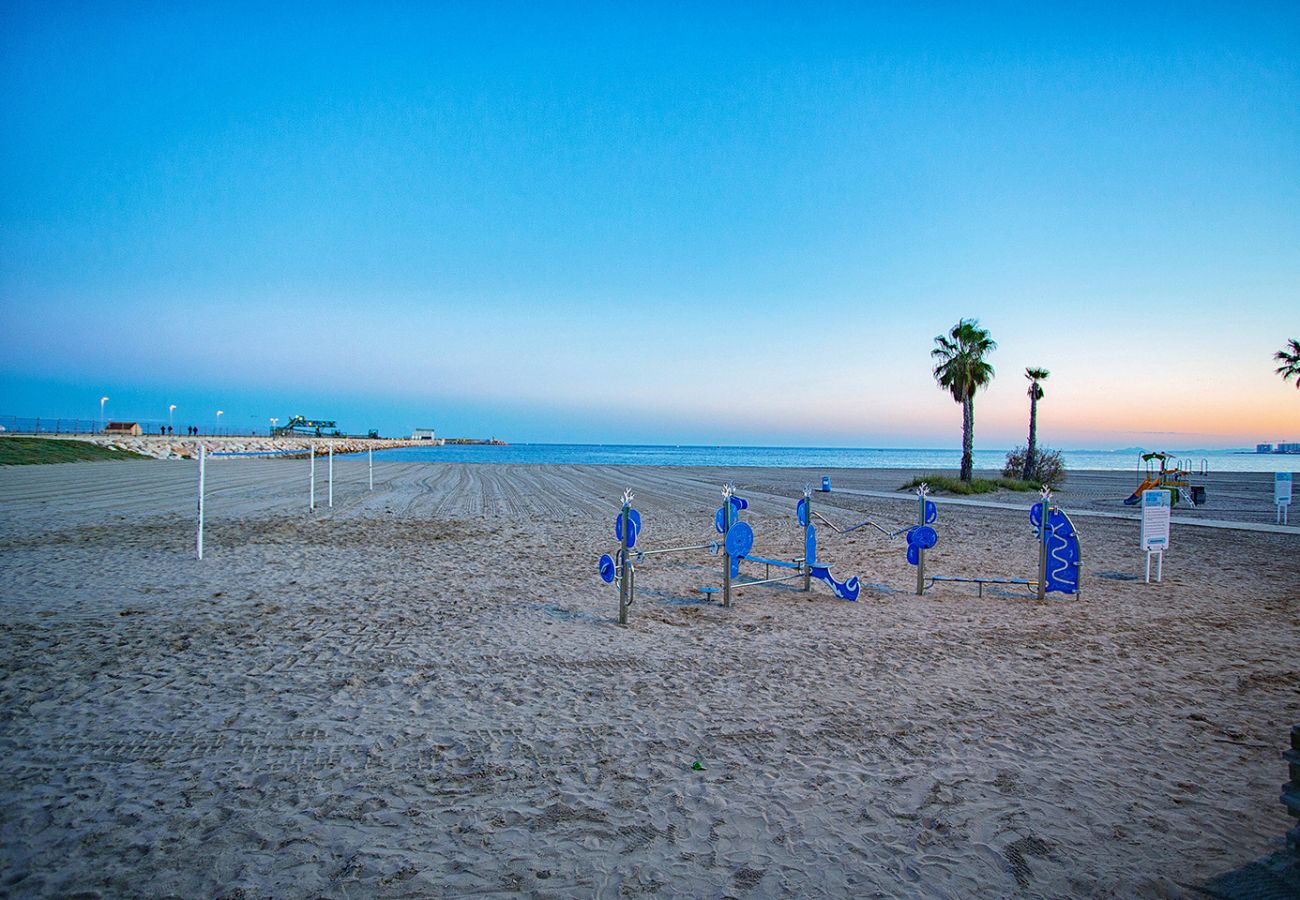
x=424, y=434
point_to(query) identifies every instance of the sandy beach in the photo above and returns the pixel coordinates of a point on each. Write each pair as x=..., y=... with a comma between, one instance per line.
x=422, y=692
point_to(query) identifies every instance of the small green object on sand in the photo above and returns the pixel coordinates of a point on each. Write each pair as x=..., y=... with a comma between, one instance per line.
x=697, y=766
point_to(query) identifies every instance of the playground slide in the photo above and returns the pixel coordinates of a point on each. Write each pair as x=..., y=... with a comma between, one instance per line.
x=1146, y=485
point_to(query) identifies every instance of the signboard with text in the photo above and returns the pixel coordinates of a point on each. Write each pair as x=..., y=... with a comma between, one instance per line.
x=1282, y=495
x=1156, y=505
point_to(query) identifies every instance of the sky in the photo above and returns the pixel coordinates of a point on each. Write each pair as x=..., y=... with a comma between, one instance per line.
x=696, y=223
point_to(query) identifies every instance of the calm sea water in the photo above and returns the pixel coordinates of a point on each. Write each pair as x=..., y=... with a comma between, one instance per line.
x=806, y=457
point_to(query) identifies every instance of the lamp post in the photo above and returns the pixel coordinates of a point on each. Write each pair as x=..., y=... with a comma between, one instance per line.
x=274, y=419
x=102, y=401
x=219, y=412
x=171, y=417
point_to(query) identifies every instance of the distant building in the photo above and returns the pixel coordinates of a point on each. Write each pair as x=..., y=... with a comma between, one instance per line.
x=131, y=428
x=424, y=434
x=1288, y=448
x=1263, y=448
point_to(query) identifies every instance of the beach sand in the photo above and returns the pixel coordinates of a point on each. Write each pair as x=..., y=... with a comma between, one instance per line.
x=422, y=692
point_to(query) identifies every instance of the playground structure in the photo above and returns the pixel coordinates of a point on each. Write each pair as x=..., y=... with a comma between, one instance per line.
x=735, y=548
x=303, y=425
x=1160, y=470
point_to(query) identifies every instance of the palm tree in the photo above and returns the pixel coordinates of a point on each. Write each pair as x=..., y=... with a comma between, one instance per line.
x=962, y=370
x=1289, y=357
x=1035, y=394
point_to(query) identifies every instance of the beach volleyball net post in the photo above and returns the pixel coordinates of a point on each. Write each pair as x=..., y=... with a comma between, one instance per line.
x=198, y=537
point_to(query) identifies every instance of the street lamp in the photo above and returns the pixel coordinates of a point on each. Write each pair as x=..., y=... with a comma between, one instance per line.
x=219, y=412
x=102, y=401
x=171, y=417
x=274, y=419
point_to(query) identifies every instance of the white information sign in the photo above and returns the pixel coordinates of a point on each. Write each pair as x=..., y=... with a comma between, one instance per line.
x=1156, y=505
x=1282, y=494
x=1155, y=520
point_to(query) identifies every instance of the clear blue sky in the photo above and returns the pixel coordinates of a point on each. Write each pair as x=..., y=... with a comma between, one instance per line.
x=712, y=224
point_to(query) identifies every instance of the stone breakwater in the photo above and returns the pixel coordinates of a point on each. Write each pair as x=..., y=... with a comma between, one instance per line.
x=173, y=447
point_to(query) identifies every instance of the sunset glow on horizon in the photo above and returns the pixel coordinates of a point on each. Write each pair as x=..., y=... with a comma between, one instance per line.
x=738, y=226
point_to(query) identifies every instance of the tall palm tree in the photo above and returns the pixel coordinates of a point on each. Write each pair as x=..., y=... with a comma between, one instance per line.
x=1289, y=357
x=1035, y=394
x=961, y=369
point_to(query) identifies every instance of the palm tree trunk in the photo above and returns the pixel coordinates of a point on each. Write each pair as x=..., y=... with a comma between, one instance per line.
x=967, y=438
x=1032, y=450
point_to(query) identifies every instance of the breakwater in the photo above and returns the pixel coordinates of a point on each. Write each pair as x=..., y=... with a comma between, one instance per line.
x=172, y=447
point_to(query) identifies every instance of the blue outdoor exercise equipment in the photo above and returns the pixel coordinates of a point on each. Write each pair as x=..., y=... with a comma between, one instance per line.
x=736, y=546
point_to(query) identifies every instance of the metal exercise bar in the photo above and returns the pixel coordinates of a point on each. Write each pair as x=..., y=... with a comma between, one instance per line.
x=1023, y=582
x=838, y=530
x=741, y=584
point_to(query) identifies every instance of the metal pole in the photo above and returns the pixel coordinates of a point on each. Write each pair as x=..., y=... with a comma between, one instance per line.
x=625, y=569
x=1042, y=549
x=920, y=554
x=807, y=534
x=370, y=451
x=726, y=554
x=331, y=449
x=312, y=503
x=203, y=457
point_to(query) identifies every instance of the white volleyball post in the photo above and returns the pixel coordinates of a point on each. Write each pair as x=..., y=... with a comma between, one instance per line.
x=371, y=452
x=312, y=502
x=203, y=458
x=331, y=450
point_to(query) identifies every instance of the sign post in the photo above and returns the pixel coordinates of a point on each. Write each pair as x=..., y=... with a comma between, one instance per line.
x=1155, y=529
x=1282, y=495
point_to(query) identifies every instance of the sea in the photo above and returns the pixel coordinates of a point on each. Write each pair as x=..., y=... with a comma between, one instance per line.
x=816, y=457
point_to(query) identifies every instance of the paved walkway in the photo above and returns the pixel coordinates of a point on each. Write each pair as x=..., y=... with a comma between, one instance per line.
x=1076, y=513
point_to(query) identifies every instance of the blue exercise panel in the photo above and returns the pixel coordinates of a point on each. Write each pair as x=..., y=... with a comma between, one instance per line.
x=801, y=511
x=635, y=518
x=1063, y=551
x=739, y=502
x=922, y=537
x=607, y=569
x=913, y=554
x=810, y=547
x=740, y=539
x=845, y=590
x=931, y=512
x=718, y=524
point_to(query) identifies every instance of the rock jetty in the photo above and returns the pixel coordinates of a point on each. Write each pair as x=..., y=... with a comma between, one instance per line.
x=172, y=447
